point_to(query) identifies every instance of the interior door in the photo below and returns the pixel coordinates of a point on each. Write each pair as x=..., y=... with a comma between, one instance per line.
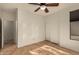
x=0, y=33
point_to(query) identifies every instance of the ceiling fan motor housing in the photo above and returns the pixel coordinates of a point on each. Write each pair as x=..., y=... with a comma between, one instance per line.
x=41, y=4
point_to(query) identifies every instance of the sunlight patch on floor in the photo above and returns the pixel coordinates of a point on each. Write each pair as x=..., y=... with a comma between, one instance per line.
x=46, y=49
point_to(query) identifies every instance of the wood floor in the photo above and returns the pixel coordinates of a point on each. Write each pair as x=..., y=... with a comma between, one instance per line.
x=41, y=48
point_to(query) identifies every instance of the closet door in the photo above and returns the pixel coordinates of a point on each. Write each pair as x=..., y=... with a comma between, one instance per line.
x=0, y=33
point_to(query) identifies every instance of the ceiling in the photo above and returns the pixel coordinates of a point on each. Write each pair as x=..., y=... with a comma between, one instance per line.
x=30, y=8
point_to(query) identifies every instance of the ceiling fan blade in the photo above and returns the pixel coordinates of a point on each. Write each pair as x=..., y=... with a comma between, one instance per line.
x=46, y=10
x=52, y=4
x=37, y=9
x=35, y=3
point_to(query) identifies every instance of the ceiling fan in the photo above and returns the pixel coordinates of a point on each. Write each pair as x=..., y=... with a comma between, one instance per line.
x=43, y=6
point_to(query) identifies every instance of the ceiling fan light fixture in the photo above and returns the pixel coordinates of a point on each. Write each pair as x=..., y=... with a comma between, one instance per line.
x=42, y=7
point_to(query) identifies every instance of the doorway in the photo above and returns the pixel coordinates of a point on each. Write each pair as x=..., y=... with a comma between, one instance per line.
x=9, y=33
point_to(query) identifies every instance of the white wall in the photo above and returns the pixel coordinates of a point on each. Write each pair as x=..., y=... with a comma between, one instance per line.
x=8, y=15
x=52, y=29
x=30, y=28
x=75, y=28
x=65, y=32
x=62, y=17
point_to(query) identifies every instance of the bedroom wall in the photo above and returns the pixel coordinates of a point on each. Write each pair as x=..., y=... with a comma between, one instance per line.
x=65, y=29
x=63, y=17
x=30, y=28
x=52, y=28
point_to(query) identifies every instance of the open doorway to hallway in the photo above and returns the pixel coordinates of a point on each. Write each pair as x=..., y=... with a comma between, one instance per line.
x=10, y=33
x=9, y=20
